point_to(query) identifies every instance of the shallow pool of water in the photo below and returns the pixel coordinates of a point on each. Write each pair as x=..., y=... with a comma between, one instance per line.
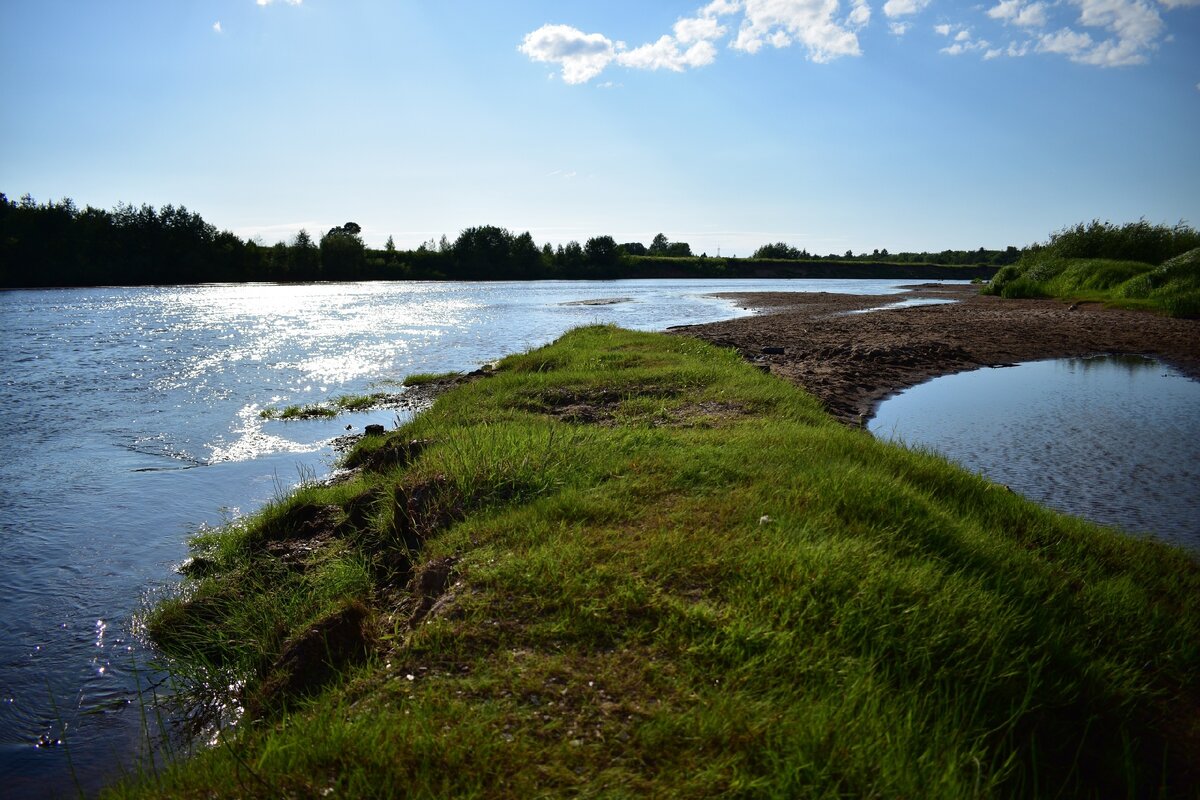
x=1112, y=439
x=910, y=303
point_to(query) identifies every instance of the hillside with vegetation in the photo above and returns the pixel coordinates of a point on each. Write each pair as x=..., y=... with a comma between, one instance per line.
x=1136, y=265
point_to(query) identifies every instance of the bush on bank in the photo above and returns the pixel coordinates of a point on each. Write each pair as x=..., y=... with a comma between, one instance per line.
x=630, y=564
x=1136, y=265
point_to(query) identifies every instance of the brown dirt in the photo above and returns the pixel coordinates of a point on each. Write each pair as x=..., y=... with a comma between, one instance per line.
x=851, y=362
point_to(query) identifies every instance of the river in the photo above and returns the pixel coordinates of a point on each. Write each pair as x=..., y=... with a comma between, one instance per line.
x=133, y=419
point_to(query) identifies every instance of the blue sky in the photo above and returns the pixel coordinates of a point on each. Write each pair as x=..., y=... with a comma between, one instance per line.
x=861, y=124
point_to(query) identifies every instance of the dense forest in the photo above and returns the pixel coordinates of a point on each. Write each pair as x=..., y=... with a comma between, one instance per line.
x=55, y=243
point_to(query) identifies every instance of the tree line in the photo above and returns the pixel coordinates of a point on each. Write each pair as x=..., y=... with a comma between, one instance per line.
x=782, y=251
x=56, y=243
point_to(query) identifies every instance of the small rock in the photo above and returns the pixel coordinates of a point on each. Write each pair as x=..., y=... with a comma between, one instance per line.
x=773, y=351
x=373, y=430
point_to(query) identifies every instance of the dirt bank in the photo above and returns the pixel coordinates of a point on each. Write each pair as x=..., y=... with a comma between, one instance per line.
x=852, y=361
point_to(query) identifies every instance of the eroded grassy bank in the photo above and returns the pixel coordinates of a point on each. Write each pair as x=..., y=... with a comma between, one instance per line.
x=630, y=564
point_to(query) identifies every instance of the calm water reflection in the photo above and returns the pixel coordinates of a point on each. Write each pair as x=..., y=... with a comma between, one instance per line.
x=1112, y=439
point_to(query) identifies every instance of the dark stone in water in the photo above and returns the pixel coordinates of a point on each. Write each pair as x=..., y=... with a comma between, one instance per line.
x=373, y=430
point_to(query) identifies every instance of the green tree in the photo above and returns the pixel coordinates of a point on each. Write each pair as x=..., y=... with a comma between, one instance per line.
x=601, y=253
x=306, y=261
x=482, y=252
x=778, y=250
x=343, y=254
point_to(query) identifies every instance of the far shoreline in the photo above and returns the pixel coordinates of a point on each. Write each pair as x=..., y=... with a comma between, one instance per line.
x=853, y=362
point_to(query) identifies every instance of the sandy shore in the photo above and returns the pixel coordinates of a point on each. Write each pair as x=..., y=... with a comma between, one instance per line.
x=852, y=361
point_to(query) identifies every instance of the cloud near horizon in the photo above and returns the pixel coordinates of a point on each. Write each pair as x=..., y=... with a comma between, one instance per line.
x=1102, y=33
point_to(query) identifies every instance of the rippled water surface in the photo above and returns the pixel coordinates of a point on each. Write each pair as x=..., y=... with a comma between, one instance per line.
x=132, y=418
x=1112, y=439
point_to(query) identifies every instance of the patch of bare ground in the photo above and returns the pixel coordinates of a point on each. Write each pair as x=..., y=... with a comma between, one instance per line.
x=609, y=407
x=852, y=361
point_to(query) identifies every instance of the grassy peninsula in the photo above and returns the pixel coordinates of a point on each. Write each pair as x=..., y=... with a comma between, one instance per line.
x=632, y=565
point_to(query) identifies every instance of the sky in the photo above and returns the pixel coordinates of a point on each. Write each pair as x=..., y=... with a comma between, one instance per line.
x=831, y=126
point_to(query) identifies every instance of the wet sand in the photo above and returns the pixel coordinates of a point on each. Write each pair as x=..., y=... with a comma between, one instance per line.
x=852, y=361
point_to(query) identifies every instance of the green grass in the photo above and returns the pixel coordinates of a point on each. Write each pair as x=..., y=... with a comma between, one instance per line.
x=331, y=408
x=422, y=378
x=631, y=565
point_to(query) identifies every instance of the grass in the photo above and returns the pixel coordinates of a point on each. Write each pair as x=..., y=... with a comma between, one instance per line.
x=631, y=565
x=423, y=378
x=332, y=408
x=1133, y=266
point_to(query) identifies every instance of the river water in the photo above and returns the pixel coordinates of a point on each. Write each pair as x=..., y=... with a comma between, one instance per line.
x=132, y=419
x=1110, y=438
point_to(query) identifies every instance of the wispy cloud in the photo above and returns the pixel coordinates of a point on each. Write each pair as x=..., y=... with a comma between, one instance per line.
x=217, y=27
x=821, y=27
x=286, y=2
x=1103, y=33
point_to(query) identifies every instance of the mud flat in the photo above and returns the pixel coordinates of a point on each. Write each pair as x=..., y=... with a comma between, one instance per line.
x=852, y=361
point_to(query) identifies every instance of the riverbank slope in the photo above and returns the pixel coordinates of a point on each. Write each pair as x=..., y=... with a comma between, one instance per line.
x=631, y=564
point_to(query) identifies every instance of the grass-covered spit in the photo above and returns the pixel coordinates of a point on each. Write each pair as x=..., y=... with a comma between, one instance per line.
x=631, y=565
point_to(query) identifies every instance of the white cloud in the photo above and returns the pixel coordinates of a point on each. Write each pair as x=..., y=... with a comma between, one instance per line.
x=962, y=41
x=288, y=2
x=1134, y=28
x=1104, y=33
x=721, y=8
x=1020, y=13
x=665, y=54
x=812, y=23
x=899, y=28
x=698, y=29
x=1064, y=42
x=901, y=8
x=861, y=14
x=217, y=27
x=582, y=56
